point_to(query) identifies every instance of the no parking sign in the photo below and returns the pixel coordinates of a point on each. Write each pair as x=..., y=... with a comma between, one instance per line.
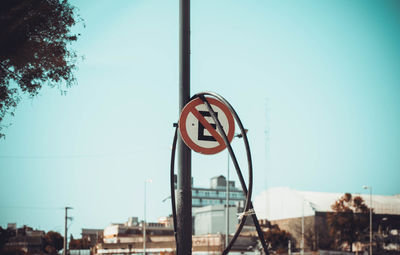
x=197, y=127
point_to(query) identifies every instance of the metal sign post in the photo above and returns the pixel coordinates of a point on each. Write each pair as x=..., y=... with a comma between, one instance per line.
x=184, y=188
x=210, y=136
x=220, y=136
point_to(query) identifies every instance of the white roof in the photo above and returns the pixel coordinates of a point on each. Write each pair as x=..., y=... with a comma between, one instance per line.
x=283, y=202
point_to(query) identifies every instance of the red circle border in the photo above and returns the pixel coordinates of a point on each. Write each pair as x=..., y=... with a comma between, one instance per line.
x=188, y=141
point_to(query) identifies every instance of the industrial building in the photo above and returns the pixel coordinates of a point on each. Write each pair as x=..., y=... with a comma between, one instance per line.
x=24, y=239
x=288, y=207
x=209, y=225
x=92, y=236
x=132, y=231
x=209, y=207
x=127, y=238
x=211, y=219
x=216, y=193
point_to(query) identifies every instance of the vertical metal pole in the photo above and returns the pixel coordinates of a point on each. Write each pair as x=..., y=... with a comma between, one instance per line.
x=227, y=206
x=302, y=230
x=184, y=188
x=65, y=232
x=370, y=220
x=144, y=219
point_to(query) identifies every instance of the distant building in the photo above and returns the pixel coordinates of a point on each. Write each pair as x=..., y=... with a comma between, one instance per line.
x=12, y=226
x=79, y=252
x=211, y=219
x=208, y=218
x=127, y=238
x=286, y=208
x=166, y=221
x=216, y=194
x=132, y=231
x=209, y=206
x=211, y=244
x=93, y=236
x=25, y=239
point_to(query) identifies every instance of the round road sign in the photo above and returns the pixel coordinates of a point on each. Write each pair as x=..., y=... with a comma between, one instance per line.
x=198, y=129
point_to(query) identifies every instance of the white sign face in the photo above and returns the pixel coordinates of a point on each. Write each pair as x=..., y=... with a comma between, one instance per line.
x=198, y=130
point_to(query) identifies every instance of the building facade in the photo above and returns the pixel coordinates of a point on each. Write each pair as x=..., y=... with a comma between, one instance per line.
x=25, y=239
x=216, y=194
x=304, y=213
x=209, y=207
x=92, y=236
x=127, y=238
x=132, y=231
x=211, y=219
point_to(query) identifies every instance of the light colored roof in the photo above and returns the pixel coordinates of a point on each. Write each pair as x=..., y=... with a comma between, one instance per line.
x=283, y=202
x=89, y=231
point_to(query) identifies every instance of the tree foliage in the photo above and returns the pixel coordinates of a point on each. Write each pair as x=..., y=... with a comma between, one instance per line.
x=35, y=35
x=53, y=242
x=79, y=244
x=277, y=239
x=349, y=220
x=4, y=235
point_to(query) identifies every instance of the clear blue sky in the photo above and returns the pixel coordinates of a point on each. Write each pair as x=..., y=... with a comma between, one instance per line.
x=317, y=83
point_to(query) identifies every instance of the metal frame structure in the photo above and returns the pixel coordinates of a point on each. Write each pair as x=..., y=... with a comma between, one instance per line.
x=248, y=211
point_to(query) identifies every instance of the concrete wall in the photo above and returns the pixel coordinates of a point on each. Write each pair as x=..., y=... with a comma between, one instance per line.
x=293, y=226
x=211, y=219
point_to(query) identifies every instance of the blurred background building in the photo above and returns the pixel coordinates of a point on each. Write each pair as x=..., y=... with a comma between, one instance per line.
x=288, y=208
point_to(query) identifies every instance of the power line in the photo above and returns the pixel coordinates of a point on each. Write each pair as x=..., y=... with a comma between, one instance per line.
x=31, y=208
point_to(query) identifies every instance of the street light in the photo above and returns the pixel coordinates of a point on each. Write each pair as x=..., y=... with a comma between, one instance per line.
x=165, y=199
x=370, y=217
x=144, y=217
x=227, y=194
x=302, y=230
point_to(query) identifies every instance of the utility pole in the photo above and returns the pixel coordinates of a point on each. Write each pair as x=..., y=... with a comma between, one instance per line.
x=370, y=217
x=302, y=230
x=66, y=230
x=184, y=188
x=370, y=221
x=144, y=215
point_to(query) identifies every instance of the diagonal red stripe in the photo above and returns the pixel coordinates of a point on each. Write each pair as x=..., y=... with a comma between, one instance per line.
x=207, y=125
